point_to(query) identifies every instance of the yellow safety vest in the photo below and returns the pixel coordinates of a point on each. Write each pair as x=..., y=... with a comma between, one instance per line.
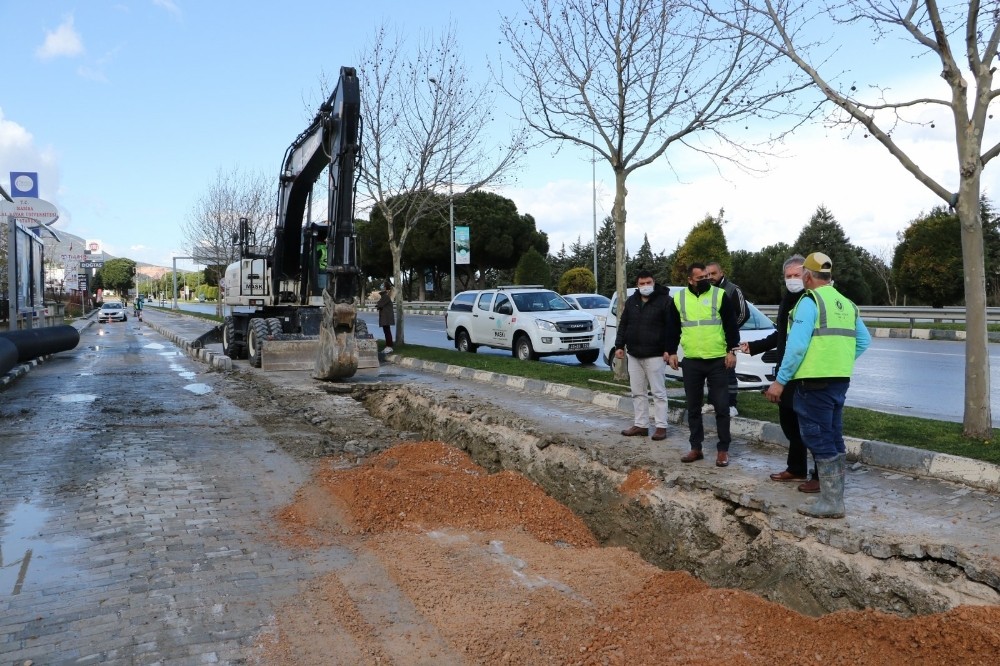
x=832, y=349
x=701, y=323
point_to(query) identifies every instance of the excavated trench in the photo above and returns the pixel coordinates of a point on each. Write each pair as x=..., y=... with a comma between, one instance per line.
x=685, y=522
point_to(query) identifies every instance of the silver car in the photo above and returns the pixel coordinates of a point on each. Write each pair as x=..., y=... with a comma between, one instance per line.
x=111, y=312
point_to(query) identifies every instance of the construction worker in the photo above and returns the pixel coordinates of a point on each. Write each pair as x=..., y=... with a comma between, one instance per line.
x=825, y=337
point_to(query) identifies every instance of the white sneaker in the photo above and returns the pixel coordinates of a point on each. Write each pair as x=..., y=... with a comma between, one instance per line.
x=733, y=411
x=388, y=350
x=708, y=408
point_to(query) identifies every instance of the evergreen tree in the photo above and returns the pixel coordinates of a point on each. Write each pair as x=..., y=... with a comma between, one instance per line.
x=606, y=257
x=759, y=274
x=533, y=269
x=577, y=281
x=704, y=243
x=643, y=260
x=824, y=234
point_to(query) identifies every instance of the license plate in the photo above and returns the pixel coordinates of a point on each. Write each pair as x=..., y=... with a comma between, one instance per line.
x=579, y=345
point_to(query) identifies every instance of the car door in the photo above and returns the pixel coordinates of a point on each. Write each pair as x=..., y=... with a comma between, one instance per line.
x=481, y=324
x=503, y=321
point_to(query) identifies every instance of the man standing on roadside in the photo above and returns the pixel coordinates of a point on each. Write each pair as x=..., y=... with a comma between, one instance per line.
x=641, y=337
x=702, y=321
x=797, y=464
x=735, y=295
x=825, y=338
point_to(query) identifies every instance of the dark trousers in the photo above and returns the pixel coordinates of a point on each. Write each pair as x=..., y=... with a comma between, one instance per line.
x=798, y=462
x=696, y=372
x=387, y=330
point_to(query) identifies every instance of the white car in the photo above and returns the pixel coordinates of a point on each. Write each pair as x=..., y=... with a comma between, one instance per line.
x=752, y=372
x=595, y=304
x=111, y=311
x=530, y=321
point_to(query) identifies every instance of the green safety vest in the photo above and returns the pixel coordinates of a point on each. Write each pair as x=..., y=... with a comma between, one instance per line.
x=832, y=348
x=701, y=323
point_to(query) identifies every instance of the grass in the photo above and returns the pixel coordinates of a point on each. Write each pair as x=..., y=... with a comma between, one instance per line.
x=928, y=434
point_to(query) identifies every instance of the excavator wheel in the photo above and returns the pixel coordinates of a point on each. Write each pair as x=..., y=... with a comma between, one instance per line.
x=274, y=326
x=229, y=347
x=255, y=341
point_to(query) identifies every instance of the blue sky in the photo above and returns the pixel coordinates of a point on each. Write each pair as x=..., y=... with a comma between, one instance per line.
x=129, y=108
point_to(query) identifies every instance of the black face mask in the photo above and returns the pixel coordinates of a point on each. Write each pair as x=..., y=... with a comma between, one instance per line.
x=701, y=286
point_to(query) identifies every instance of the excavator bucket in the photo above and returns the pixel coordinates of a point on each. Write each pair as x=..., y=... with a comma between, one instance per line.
x=341, y=351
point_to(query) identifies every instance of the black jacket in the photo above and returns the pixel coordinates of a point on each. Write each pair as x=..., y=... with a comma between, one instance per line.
x=727, y=313
x=735, y=295
x=642, y=328
x=778, y=338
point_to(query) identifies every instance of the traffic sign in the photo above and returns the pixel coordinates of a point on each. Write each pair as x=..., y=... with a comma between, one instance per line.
x=91, y=264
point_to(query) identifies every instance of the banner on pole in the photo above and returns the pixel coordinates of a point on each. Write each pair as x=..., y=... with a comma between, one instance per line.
x=462, y=245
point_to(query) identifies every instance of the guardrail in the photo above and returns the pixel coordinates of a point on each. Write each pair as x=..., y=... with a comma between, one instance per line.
x=913, y=315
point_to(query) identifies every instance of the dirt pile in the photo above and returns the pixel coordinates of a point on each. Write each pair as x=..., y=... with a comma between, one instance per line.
x=486, y=568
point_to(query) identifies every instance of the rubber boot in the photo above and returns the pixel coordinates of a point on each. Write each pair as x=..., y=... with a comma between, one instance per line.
x=831, y=490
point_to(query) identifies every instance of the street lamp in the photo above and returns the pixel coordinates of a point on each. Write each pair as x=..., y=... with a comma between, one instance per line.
x=451, y=199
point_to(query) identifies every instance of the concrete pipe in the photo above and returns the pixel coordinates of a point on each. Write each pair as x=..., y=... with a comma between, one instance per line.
x=8, y=355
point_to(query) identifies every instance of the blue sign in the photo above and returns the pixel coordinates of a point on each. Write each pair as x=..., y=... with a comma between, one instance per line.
x=23, y=184
x=462, y=245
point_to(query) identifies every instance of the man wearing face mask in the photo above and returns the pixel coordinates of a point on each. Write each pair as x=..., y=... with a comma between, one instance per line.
x=642, y=338
x=702, y=320
x=735, y=294
x=825, y=337
x=798, y=462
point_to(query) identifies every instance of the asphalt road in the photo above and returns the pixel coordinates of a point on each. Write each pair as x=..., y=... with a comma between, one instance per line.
x=899, y=376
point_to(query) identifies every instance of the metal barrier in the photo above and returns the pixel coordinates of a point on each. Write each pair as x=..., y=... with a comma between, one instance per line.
x=913, y=315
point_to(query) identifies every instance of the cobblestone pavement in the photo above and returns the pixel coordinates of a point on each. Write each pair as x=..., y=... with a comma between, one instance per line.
x=134, y=511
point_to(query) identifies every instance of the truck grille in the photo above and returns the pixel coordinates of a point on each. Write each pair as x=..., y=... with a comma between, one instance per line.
x=574, y=326
x=576, y=339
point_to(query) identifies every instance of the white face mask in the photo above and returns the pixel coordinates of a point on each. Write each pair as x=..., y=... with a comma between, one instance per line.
x=647, y=290
x=794, y=285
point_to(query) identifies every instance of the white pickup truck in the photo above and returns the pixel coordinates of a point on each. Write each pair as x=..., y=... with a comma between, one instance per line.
x=530, y=321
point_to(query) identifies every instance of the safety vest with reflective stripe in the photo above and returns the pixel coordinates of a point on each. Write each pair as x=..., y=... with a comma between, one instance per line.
x=701, y=323
x=832, y=348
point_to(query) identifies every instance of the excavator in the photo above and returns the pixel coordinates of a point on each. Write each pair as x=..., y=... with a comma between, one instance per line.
x=293, y=305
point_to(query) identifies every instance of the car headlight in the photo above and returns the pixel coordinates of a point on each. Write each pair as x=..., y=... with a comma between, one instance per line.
x=601, y=321
x=545, y=325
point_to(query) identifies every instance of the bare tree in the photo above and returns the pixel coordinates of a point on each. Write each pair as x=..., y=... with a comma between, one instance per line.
x=879, y=261
x=964, y=33
x=425, y=134
x=213, y=223
x=640, y=76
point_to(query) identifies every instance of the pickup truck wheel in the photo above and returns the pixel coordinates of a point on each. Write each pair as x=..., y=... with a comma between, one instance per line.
x=463, y=343
x=229, y=346
x=255, y=341
x=588, y=357
x=523, y=350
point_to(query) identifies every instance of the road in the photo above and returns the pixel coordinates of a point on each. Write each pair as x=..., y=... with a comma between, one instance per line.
x=898, y=376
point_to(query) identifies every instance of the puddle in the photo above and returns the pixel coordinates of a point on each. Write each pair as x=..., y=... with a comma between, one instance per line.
x=153, y=345
x=169, y=353
x=28, y=559
x=77, y=397
x=198, y=389
x=188, y=374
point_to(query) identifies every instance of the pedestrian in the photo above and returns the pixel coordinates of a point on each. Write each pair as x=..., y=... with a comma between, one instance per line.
x=702, y=321
x=642, y=339
x=797, y=463
x=386, y=314
x=138, y=308
x=735, y=295
x=825, y=338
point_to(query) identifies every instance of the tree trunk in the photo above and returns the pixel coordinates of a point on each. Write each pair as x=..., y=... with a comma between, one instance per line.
x=977, y=420
x=397, y=273
x=618, y=215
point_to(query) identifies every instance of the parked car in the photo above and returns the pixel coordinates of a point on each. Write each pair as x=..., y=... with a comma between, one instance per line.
x=111, y=311
x=530, y=321
x=595, y=304
x=752, y=372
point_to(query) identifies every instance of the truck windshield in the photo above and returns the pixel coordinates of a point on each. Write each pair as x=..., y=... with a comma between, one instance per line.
x=540, y=301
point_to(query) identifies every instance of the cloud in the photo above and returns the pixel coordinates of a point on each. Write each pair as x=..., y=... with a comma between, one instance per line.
x=63, y=41
x=18, y=152
x=168, y=5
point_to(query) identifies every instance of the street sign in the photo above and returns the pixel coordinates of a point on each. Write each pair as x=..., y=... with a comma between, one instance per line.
x=91, y=264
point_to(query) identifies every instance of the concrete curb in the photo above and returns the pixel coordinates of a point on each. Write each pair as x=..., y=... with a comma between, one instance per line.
x=211, y=359
x=902, y=459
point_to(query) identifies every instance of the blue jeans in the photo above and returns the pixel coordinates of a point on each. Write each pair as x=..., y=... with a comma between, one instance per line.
x=819, y=405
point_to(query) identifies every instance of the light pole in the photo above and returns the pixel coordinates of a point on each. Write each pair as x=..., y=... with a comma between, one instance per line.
x=451, y=199
x=593, y=175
